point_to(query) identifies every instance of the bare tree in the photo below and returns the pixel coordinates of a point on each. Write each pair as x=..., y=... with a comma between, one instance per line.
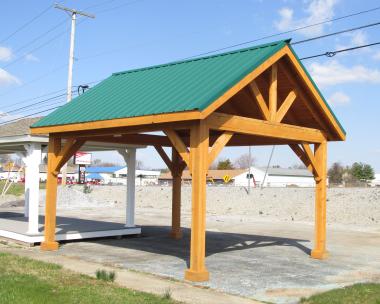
x=243, y=162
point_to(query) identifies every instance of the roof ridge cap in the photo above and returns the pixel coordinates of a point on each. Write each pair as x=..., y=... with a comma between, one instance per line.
x=286, y=41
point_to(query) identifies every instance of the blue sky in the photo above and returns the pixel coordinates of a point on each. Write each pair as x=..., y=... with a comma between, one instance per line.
x=134, y=33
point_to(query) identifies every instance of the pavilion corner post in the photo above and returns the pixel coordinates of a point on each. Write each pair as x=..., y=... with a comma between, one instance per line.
x=199, y=145
x=131, y=185
x=176, y=171
x=319, y=251
x=49, y=242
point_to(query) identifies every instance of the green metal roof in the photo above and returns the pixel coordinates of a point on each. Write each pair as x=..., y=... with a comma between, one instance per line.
x=174, y=87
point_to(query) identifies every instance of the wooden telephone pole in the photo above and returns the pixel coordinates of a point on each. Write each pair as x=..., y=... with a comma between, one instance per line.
x=73, y=14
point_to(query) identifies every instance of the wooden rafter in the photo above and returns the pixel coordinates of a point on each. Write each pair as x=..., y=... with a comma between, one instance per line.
x=304, y=99
x=225, y=122
x=260, y=100
x=286, y=106
x=179, y=146
x=164, y=157
x=218, y=145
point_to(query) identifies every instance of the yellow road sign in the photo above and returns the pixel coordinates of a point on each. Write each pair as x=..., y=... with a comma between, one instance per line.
x=226, y=178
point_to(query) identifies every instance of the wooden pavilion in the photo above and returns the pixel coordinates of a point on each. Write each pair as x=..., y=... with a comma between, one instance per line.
x=261, y=95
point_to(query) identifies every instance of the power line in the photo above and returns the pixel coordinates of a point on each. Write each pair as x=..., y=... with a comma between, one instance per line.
x=333, y=53
x=285, y=32
x=337, y=33
x=26, y=24
x=29, y=115
x=31, y=105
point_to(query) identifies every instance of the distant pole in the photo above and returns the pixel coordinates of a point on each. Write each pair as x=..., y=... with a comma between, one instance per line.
x=249, y=170
x=73, y=14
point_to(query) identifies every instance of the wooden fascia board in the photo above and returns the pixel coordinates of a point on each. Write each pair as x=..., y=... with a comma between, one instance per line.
x=315, y=93
x=225, y=122
x=120, y=122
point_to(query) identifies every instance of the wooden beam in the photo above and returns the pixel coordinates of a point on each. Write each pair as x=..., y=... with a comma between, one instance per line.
x=302, y=156
x=199, y=144
x=218, y=145
x=49, y=242
x=286, y=106
x=132, y=139
x=176, y=232
x=273, y=93
x=319, y=251
x=243, y=83
x=238, y=124
x=305, y=100
x=316, y=94
x=164, y=157
x=260, y=100
x=179, y=146
x=312, y=160
x=68, y=150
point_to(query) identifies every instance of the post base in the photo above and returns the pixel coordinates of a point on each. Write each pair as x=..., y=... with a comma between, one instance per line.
x=49, y=246
x=197, y=276
x=177, y=235
x=319, y=254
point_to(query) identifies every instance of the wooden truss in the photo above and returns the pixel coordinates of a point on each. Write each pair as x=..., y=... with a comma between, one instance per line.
x=196, y=139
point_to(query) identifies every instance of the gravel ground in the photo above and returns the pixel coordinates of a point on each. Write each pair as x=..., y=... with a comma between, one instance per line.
x=346, y=206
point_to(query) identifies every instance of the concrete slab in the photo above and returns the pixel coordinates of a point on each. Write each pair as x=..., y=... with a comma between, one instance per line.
x=246, y=256
x=13, y=225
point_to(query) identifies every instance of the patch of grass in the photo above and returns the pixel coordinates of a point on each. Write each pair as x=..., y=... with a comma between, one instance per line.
x=16, y=189
x=25, y=281
x=167, y=294
x=105, y=275
x=366, y=293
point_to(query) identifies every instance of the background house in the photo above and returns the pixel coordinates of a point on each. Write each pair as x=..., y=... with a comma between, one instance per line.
x=275, y=177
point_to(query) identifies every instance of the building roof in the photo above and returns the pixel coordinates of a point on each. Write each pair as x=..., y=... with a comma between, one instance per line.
x=168, y=88
x=103, y=169
x=288, y=172
x=18, y=128
x=94, y=176
x=214, y=174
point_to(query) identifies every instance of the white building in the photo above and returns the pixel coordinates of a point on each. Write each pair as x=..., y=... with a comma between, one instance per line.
x=118, y=175
x=376, y=181
x=276, y=177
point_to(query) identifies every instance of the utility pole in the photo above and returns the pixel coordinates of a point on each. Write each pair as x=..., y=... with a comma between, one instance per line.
x=73, y=14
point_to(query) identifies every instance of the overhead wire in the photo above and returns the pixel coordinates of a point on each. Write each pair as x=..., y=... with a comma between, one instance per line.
x=284, y=32
x=26, y=24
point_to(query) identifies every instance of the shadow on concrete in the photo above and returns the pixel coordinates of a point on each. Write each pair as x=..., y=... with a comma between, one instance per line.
x=155, y=239
x=16, y=222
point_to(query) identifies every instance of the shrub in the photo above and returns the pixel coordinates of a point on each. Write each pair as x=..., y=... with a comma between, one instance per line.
x=108, y=276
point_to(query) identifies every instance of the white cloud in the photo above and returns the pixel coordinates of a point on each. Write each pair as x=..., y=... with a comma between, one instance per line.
x=336, y=73
x=339, y=98
x=376, y=56
x=5, y=53
x=316, y=11
x=7, y=79
x=355, y=39
x=31, y=57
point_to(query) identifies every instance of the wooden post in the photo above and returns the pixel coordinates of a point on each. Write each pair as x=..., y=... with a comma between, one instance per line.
x=49, y=242
x=176, y=232
x=199, y=145
x=319, y=251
